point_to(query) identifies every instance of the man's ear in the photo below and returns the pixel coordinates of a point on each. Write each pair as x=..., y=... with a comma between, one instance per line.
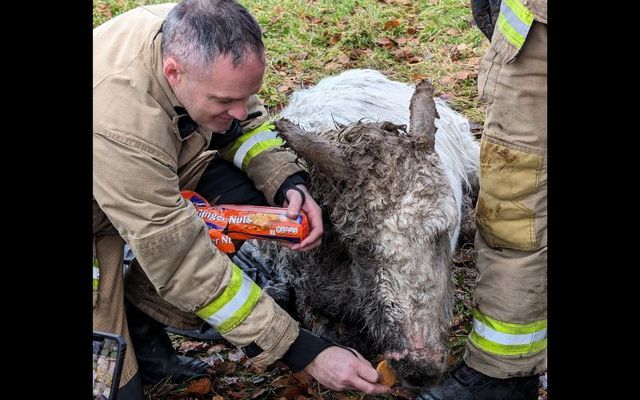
x=171, y=70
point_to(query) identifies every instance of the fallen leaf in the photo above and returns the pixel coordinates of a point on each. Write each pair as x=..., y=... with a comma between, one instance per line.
x=258, y=393
x=283, y=380
x=281, y=89
x=403, y=52
x=333, y=66
x=189, y=345
x=343, y=59
x=453, y=31
x=217, y=398
x=462, y=75
x=417, y=77
x=216, y=348
x=304, y=378
x=238, y=354
x=386, y=42
x=411, y=31
x=199, y=386
x=292, y=392
x=313, y=20
x=401, y=2
x=446, y=96
x=335, y=38
x=392, y=23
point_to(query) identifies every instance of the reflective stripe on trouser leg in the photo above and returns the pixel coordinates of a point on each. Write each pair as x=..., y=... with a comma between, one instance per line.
x=507, y=339
x=234, y=304
x=109, y=315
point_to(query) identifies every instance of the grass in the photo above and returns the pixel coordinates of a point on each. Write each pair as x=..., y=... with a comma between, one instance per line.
x=307, y=40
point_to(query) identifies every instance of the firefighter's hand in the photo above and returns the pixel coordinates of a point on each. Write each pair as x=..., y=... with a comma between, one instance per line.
x=294, y=202
x=485, y=13
x=339, y=369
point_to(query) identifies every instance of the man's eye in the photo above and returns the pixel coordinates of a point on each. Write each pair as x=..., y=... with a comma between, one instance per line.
x=217, y=100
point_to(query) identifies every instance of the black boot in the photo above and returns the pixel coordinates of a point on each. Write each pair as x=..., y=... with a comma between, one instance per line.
x=133, y=389
x=465, y=383
x=155, y=354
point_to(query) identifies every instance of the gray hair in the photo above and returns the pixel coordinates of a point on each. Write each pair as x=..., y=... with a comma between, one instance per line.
x=197, y=32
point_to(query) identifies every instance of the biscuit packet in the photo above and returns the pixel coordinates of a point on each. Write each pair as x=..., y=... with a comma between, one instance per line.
x=242, y=222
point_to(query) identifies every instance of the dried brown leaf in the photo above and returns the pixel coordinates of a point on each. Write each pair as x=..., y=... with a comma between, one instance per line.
x=216, y=348
x=401, y=2
x=403, y=52
x=446, y=96
x=390, y=24
x=462, y=75
x=189, y=345
x=283, y=380
x=333, y=66
x=304, y=378
x=292, y=392
x=258, y=393
x=417, y=77
x=386, y=42
x=335, y=38
x=228, y=367
x=237, y=355
x=447, y=80
x=343, y=59
x=199, y=386
x=313, y=20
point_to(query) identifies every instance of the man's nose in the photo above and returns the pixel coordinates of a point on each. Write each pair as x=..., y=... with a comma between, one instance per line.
x=238, y=110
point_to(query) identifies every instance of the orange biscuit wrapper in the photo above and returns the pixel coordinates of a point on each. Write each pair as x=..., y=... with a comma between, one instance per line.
x=195, y=199
x=222, y=241
x=228, y=221
x=258, y=222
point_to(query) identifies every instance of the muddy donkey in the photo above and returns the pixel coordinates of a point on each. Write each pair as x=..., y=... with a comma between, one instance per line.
x=393, y=200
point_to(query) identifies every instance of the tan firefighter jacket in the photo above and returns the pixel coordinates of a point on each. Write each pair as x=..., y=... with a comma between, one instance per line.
x=140, y=164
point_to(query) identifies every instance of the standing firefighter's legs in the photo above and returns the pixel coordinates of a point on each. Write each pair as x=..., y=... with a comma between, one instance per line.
x=506, y=349
x=509, y=327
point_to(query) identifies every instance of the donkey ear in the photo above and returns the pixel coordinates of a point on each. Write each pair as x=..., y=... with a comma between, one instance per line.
x=423, y=113
x=316, y=150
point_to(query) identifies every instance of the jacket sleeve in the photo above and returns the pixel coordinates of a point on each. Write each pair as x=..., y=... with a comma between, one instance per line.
x=260, y=153
x=139, y=194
